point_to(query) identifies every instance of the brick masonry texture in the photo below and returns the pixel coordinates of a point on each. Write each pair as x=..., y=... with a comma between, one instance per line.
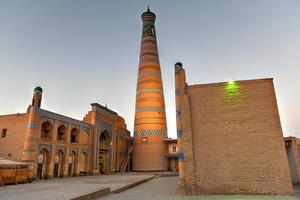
x=231, y=139
x=12, y=145
x=150, y=125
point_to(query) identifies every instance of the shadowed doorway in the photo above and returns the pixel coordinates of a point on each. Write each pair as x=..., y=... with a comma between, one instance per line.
x=104, y=152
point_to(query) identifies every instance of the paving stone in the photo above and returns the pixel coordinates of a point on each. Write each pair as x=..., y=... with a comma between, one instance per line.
x=166, y=188
x=67, y=188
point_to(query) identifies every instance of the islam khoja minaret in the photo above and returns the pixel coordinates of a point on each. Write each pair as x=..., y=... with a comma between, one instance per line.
x=150, y=126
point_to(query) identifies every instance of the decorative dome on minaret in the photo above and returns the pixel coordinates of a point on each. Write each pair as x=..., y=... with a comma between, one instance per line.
x=38, y=89
x=148, y=19
x=148, y=16
x=37, y=96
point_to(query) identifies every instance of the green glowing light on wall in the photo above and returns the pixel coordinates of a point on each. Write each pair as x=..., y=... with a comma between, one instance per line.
x=232, y=93
x=232, y=87
x=231, y=82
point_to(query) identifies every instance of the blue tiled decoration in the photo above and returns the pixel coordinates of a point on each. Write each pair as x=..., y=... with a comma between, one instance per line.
x=180, y=156
x=33, y=124
x=178, y=66
x=150, y=132
x=149, y=74
x=48, y=147
x=178, y=113
x=150, y=108
x=149, y=90
x=179, y=132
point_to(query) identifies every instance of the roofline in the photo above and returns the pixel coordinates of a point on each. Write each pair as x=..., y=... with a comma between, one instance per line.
x=289, y=138
x=170, y=140
x=104, y=108
x=72, y=120
x=237, y=81
x=14, y=114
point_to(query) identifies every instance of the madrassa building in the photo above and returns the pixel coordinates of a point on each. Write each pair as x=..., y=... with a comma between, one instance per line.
x=58, y=146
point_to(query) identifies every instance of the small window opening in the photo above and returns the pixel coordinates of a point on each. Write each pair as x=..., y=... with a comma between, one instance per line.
x=174, y=148
x=3, y=134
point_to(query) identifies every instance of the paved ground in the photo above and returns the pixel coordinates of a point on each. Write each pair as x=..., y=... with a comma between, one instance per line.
x=165, y=188
x=66, y=188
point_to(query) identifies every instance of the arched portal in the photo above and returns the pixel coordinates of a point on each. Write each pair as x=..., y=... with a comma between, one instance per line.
x=72, y=163
x=59, y=164
x=43, y=164
x=85, y=161
x=104, y=152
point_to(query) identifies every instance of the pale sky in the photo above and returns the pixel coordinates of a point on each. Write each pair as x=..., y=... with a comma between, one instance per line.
x=81, y=52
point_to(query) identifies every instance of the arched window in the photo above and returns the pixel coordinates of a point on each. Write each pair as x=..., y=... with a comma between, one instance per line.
x=74, y=135
x=105, y=138
x=46, y=130
x=61, y=133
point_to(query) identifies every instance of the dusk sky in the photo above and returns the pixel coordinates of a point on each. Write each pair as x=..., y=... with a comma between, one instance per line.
x=81, y=52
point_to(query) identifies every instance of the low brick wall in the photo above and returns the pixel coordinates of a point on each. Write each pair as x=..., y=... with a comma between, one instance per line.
x=13, y=175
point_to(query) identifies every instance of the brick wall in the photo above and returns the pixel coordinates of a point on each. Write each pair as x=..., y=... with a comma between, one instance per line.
x=148, y=153
x=236, y=145
x=13, y=143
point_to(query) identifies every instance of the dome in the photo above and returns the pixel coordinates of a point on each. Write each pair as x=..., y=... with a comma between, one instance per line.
x=148, y=15
x=38, y=89
x=178, y=64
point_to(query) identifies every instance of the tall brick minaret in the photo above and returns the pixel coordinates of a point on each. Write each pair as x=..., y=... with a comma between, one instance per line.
x=150, y=128
x=33, y=129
